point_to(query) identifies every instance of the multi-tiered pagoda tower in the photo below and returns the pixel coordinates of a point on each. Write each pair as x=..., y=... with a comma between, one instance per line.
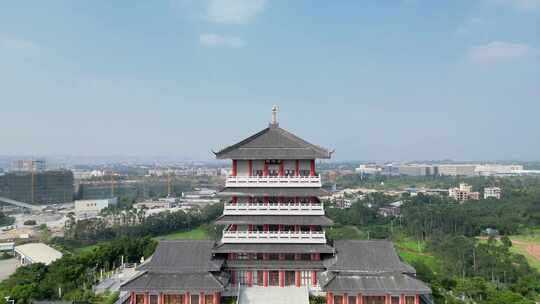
x=274, y=249
x=274, y=221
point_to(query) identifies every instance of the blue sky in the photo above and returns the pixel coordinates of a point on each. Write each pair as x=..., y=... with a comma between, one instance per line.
x=375, y=80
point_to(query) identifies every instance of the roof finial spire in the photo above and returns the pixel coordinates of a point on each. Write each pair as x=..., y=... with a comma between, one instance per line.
x=274, y=115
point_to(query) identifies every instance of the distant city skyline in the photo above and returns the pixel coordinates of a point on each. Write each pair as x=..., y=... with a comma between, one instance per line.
x=398, y=80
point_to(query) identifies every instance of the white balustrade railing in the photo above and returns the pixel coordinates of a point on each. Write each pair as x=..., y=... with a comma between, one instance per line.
x=273, y=209
x=305, y=237
x=273, y=181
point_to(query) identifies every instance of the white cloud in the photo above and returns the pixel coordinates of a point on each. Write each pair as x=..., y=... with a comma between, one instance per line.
x=221, y=40
x=234, y=11
x=498, y=51
x=521, y=5
x=14, y=43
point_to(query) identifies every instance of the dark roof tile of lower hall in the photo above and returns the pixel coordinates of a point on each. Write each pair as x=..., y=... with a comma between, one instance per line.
x=368, y=284
x=177, y=282
x=366, y=257
x=273, y=248
x=275, y=264
x=184, y=256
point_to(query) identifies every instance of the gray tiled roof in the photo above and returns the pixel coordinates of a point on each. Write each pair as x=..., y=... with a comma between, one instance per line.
x=185, y=265
x=274, y=264
x=274, y=192
x=304, y=220
x=388, y=283
x=184, y=256
x=273, y=143
x=366, y=257
x=274, y=248
x=176, y=282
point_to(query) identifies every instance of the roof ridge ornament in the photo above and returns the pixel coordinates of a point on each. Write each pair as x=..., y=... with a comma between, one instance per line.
x=274, y=122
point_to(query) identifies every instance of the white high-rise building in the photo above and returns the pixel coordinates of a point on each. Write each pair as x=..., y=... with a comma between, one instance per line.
x=492, y=192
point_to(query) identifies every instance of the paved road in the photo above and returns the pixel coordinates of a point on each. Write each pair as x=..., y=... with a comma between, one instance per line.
x=113, y=283
x=7, y=267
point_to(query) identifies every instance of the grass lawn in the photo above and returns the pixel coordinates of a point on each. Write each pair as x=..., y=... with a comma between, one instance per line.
x=412, y=251
x=345, y=233
x=534, y=262
x=521, y=247
x=194, y=234
x=85, y=248
x=523, y=240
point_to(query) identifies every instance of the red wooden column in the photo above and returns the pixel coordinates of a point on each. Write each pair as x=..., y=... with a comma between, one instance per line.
x=345, y=299
x=187, y=298
x=388, y=300
x=250, y=278
x=233, y=277
x=234, y=167
x=250, y=167
x=132, y=298
x=313, y=278
x=297, y=168
x=201, y=298
x=311, y=167
x=297, y=278
x=160, y=298
x=216, y=298
x=359, y=299
x=401, y=299
x=282, y=168
x=265, y=278
x=329, y=298
x=417, y=299
x=281, y=278
x=146, y=298
x=265, y=169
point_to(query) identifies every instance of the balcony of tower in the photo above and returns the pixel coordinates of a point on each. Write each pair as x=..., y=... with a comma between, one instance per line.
x=273, y=173
x=266, y=206
x=235, y=234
